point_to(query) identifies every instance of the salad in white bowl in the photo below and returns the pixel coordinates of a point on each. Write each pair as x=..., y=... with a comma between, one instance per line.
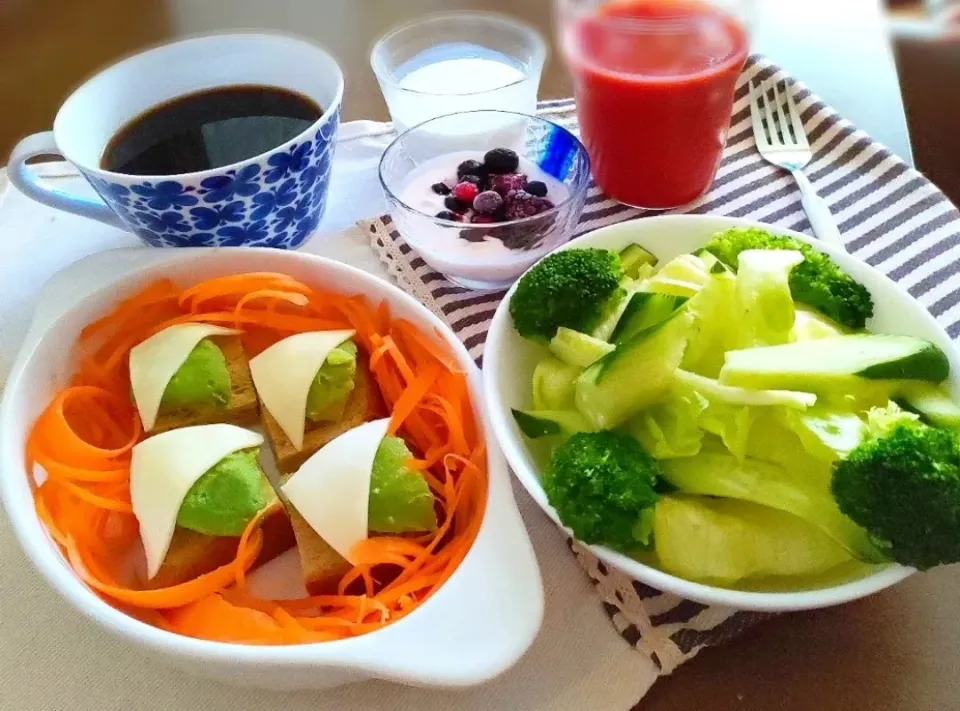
x=753, y=421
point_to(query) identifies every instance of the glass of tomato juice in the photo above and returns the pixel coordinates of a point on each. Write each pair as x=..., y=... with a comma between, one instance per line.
x=654, y=83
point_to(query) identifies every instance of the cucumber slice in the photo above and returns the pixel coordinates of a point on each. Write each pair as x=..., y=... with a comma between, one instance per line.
x=723, y=541
x=774, y=486
x=645, y=310
x=604, y=329
x=933, y=404
x=637, y=374
x=644, y=271
x=546, y=423
x=835, y=364
x=632, y=257
x=579, y=349
x=708, y=258
x=554, y=384
x=732, y=395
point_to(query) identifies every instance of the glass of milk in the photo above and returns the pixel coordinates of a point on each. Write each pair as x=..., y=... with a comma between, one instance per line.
x=457, y=62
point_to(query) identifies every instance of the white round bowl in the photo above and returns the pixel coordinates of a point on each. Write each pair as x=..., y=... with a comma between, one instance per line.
x=509, y=361
x=498, y=583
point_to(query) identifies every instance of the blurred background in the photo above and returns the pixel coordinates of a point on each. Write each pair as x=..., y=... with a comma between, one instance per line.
x=48, y=46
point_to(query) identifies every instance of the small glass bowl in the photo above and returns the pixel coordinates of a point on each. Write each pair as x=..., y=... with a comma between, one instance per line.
x=485, y=257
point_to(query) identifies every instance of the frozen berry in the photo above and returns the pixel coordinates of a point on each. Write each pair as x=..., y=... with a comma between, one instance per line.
x=487, y=202
x=537, y=188
x=454, y=205
x=503, y=184
x=440, y=188
x=522, y=204
x=465, y=192
x=501, y=160
x=481, y=219
x=475, y=179
x=447, y=215
x=468, y=167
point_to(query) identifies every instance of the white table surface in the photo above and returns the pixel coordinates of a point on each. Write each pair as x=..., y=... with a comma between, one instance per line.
x=838, y=47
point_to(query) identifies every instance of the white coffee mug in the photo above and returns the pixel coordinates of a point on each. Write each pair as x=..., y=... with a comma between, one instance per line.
x=275, y=199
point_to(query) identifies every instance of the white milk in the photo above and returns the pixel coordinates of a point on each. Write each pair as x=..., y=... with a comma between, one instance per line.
x=460, y=84
x=467, y=75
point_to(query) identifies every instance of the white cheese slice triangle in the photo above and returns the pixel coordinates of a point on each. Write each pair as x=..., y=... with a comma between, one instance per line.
x=283, y=373
x=332, y=488
x=156, y=360
x=162, y=470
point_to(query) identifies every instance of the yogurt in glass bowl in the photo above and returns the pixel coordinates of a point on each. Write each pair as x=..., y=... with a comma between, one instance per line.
x=529, y=180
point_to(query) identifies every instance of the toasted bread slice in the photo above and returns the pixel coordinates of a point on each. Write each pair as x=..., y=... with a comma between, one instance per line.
x=192, y=554
x=322, y=565
x=363, y=404
x=242, y=408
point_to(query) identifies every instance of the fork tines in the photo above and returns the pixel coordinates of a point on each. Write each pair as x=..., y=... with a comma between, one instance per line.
x=776, y=119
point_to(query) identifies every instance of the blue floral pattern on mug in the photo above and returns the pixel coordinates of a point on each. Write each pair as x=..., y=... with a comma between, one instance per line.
x=276, y=201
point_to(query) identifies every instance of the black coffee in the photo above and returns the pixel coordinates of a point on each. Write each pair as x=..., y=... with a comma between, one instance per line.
x=209, y=129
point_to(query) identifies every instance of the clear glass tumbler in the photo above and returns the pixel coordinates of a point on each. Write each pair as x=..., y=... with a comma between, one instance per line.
x=456, y=62
x=654, y=82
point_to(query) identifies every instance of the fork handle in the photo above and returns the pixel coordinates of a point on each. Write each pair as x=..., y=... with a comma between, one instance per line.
x=818, y=212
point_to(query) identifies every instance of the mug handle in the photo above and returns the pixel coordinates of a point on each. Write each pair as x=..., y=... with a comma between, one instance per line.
x=26, y=181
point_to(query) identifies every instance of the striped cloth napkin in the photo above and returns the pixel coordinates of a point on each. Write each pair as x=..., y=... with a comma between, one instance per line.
x=890, y=216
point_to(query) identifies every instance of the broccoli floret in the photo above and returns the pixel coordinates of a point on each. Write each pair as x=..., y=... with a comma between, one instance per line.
x=904, y=488
x=817, y=281
x=571, y=288
x=601, y=485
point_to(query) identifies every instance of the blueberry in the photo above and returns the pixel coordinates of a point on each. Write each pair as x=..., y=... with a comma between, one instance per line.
x=537, y=187
x=446, y=215
x=454, y=205
x=470, y=178
x=501, y=160
x=440, y=188
x=468, y=167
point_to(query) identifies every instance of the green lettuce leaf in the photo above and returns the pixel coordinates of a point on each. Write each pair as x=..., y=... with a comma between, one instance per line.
x=712, y=308
x=810, y=325
x=826, y=435
x=771, y=485
x=765, y=311
x=683, y=276
x=731, y=423
x=670, y=429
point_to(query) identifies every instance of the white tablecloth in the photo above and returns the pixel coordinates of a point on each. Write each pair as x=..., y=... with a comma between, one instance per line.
x=53, y=660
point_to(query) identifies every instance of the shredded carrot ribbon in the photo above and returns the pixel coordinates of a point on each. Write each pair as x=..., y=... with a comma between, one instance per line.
x=83, y=440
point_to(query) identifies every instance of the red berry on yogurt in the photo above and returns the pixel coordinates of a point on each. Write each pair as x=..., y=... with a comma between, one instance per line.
x=465, y=192
x=503, y=184
x=487, y=202
x=522, y=204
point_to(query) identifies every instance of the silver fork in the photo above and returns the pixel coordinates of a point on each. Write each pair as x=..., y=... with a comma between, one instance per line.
x=782, y=141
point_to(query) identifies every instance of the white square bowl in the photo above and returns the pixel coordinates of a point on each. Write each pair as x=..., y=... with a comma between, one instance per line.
x=476, y=626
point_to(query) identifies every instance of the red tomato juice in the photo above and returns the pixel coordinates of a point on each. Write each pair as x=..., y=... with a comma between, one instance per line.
x=654, y=85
